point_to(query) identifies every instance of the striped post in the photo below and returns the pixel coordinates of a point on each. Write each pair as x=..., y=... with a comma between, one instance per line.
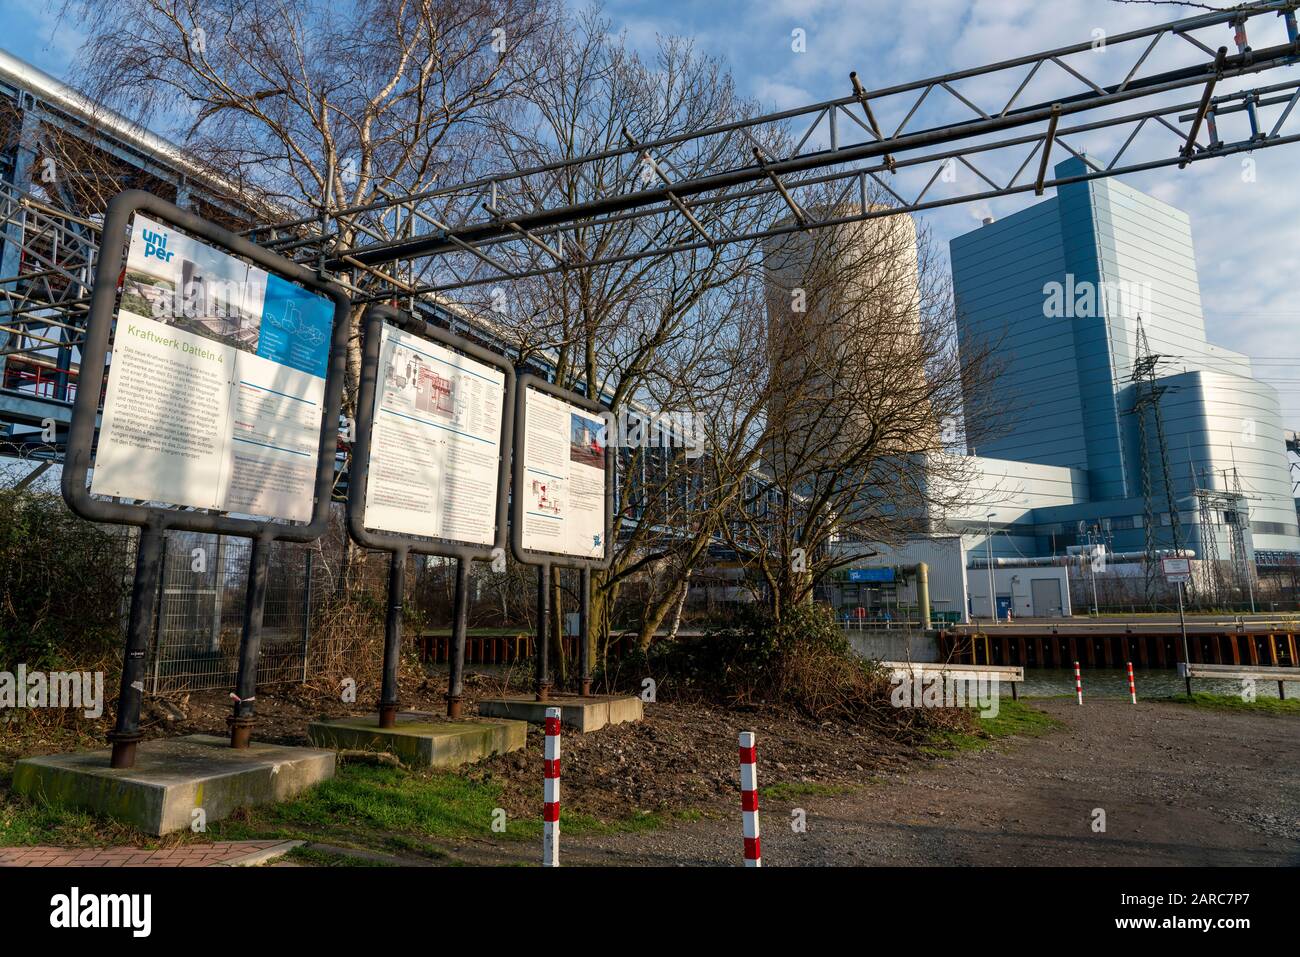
x=1078, y=682
x=551, y=794
x=749, y=799
x=1132, y=688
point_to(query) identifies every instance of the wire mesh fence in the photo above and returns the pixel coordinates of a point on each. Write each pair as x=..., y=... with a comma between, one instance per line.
x=199, y=616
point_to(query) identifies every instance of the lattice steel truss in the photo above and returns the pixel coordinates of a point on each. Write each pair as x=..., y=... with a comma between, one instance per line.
x=48, y=266
x=44, y=302
x=1147, y=392
x=866, y=144
x=1229, y=508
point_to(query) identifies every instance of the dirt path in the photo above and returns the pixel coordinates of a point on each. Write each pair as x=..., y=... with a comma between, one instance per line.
x=1179, y=786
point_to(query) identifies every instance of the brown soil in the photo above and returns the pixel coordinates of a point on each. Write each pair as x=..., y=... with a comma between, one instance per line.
x=684, y=756
x=680, y=757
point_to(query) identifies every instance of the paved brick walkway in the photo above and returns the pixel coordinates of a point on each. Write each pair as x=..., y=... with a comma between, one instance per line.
x=190, y=855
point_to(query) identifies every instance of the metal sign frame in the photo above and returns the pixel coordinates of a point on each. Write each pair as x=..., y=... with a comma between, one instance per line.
x=99, y=326
x=154, y=520
x=555, y=559
x=398, y=544
x=359, y=470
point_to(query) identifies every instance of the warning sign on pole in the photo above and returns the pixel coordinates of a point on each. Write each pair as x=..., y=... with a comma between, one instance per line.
x=1176, y=569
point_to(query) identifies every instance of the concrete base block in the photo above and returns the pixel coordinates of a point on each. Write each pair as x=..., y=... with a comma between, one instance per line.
x=172, y=777
x=581, y=714
x=420, y=739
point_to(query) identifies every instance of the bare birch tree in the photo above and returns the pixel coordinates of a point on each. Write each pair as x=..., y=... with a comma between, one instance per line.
x=629, y=331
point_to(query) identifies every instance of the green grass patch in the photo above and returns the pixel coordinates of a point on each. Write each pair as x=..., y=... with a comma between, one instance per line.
x=24, y=823
x=313, y=857
x=396, y=811
x=381, y=808
x=384, y=809
x=788, y=790
x=1228, y=702
x=1014, y=718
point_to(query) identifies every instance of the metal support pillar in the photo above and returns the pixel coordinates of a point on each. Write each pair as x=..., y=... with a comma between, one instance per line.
x=543, y=632
x=250, y=643
x=584, y=631
x=393, y=638
x=459, y=629
x=144, y=596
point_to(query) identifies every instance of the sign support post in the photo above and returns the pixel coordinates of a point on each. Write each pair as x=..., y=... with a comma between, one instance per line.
x=437, y=393
x=542, y=658
x=459, y=630
x=1179, y=571
x=250, y=644
x=584, y=632
x=388, y=696
x=144, y=595
x=1182, y=626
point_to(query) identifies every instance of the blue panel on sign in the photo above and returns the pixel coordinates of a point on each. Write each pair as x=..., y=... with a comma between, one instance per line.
x=296, y=327
x=871, y=574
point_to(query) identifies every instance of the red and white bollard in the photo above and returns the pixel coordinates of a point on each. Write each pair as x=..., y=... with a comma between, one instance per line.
x=749, y=799
x=1132, y=688
x=551, y=795
x=1078, y=682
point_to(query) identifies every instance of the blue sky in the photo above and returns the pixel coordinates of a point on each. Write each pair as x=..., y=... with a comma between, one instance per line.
x=1239, y=227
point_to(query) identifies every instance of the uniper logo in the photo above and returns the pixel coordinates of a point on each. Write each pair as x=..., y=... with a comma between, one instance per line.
x=155, y=245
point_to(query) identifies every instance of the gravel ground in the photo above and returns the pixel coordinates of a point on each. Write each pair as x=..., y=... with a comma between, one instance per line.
x=1179, y=786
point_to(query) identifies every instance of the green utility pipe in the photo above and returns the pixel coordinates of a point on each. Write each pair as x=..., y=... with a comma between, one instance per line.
x=923, y=593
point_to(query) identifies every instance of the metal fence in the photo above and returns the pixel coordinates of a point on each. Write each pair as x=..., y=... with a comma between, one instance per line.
x=199, y=617
x=200, y=614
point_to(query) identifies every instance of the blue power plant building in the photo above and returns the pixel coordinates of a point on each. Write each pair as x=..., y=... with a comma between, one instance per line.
x=1063, y=294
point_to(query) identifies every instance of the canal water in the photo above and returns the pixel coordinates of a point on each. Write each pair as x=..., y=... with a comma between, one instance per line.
x=1151, y=683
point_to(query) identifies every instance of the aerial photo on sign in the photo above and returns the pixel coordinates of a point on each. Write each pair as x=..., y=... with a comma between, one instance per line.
x=216, y=383
x=436, y=442
x=564, y=478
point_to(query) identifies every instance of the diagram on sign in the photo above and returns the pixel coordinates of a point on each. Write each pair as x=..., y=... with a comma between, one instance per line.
x=421, y=384
x=545, y=496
